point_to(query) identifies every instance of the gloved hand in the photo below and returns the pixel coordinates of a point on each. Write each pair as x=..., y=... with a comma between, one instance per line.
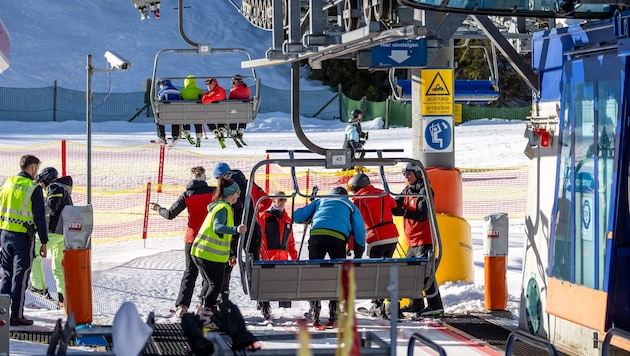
x=358, y=250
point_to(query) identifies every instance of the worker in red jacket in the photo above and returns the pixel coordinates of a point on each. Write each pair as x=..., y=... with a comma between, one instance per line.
x=382, y=234
x=278, y=243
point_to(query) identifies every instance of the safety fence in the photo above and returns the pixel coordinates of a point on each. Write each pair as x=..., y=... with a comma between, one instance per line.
x=125, y=180
x=60, y=104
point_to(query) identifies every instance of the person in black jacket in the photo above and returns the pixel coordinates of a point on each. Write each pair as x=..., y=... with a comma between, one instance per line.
x=415, y=211
x=57, y=192
x=196, y=198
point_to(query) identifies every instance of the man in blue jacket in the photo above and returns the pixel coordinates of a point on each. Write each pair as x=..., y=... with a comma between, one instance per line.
x=333, y=222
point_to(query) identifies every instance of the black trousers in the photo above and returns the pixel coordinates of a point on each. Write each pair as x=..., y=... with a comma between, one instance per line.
x=213, y=274
x=161, y=131
x=189, y=279
x=318, y=247
x=434, y=302
x=380, y=251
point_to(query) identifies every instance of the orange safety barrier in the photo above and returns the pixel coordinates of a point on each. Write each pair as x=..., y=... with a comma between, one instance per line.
x=495, y=282
x=77, y=271
x=447, y=190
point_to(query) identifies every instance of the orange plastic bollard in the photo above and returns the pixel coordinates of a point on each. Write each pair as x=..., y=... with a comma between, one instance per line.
x=447, y=190
x=495, y=282
x=77, y=271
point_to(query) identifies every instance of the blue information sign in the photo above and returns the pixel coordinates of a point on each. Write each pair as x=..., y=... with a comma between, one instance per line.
x=402, y=53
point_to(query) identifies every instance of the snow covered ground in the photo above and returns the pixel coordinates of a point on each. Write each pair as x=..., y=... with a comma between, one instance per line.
x=149, y=275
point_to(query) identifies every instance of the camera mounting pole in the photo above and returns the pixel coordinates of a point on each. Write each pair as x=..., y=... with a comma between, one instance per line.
x=89, y=97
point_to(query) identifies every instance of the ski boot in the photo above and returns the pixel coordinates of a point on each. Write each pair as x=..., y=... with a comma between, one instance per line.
x=313, y=312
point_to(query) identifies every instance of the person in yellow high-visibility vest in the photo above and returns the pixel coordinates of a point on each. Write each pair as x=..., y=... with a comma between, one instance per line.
x=21, y=214
x=211, y=250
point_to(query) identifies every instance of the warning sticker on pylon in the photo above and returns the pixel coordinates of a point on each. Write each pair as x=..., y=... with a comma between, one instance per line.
x=437, y=91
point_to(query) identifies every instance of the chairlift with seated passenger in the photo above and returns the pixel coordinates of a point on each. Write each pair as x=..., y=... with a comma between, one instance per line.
x=225, y=118
x=304, y=279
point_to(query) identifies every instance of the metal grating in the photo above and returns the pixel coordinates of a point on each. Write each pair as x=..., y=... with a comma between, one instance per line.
x=494, y=335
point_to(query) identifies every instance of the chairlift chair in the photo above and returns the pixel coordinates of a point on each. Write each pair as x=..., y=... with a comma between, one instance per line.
x=230, y=117
x=466, y=91
x=318, y=279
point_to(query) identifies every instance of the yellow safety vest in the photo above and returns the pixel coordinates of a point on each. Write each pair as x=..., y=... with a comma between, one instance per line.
x=210, y=246
x=16, y=208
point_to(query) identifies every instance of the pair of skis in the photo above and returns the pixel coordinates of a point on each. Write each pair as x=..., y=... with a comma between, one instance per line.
x=222, y=133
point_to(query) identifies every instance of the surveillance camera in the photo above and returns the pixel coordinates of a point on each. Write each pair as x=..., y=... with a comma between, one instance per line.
x=116, y=61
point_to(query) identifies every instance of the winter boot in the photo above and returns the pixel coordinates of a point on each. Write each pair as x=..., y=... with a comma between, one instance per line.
x=265, y=308
x=415, y=305
x=332, y=308
x=180, y=311
x=60, y=298
x=43, y=292
x=313, y=312
x=377, y=309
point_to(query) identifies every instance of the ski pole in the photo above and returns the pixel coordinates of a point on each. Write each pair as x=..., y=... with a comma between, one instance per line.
x=311, y=198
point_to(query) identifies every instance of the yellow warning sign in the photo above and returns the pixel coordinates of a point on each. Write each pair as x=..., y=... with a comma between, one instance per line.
x=436, y=94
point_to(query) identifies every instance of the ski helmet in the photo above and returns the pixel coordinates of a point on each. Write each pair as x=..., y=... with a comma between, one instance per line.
x=358, y=181
x=210, y=81
x=237, y=78
x=47, y=175
x=339, y=191
x=354, y=116
x=412, y=167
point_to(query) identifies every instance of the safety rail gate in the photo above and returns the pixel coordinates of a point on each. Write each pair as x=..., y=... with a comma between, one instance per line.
x=319, y=279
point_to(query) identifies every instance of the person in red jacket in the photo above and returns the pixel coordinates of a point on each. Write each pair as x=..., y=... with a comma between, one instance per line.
x=215, y=92
x=239, y=89
x=278, y=243
x=196, y=198
x=382, y=234
x=415, y=211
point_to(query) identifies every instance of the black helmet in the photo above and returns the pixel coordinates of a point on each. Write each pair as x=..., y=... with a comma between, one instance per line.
x=162, y=81
x=358, y=181
x=339, y=191
x=354, y=116
x=237, y=78
x=47, y=175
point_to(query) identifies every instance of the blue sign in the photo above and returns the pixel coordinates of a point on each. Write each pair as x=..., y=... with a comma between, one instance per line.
x=402, y=53
x=438, y=135
x=586, y=214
